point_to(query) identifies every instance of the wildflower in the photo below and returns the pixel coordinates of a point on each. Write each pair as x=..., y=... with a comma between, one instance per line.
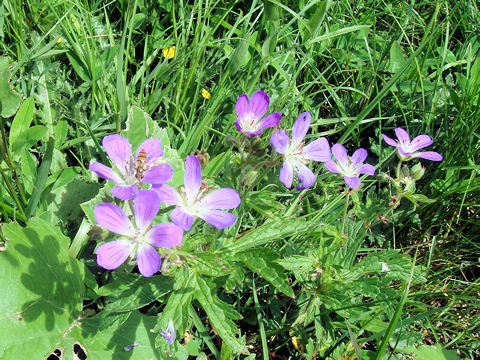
x=138, y=239
x=206, y=94
x=297, y=155
x=192, y=202
x=249, y=113
x=59, y=40
x=349, y=167
x=408, y=149
x=169, y=333
x=143, y=167
x=169, y=53
x=385, y=267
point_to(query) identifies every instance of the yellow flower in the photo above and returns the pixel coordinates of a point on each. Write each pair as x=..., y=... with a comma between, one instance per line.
x=169, y=53
x=206, y=94
x=59, y=40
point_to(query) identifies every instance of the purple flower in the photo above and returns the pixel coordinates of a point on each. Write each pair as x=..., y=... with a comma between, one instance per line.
x=297, y=155
x=192, y=201
x=143, y=167
x=408, y=149
x=349, y=167
x=169, y=333
x=138, y=239
x=249, y=113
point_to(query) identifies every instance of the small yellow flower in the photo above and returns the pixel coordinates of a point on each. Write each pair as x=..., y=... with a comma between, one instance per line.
x=169, y=53
x=206, y=94
x=59, y=40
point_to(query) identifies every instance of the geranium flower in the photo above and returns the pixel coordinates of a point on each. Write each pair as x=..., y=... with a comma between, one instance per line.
x=138, y=240
x=297, y=155
x=408, y=149
x=249, y=113
x=132, y=170
x=193, y=201
x=349, y=167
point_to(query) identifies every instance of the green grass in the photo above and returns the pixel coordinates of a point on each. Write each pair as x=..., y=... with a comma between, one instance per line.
x=361, y=68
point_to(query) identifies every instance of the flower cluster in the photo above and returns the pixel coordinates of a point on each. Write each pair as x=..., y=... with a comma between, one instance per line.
x=138, y=238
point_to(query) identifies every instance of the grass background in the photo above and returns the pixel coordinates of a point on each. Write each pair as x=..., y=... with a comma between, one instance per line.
x=360, y=67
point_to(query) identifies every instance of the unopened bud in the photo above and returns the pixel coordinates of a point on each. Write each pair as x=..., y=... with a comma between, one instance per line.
x=418, y=171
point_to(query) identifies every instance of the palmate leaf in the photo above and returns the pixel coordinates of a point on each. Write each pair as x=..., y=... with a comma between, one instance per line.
x=220, y=315
x=43, y=288
x=263, y=262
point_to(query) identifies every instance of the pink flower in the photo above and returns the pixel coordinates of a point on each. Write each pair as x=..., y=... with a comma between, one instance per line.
x=138, y=239
x=193, y=201
x=250, y=113
x=408, y=149
x=142, y=167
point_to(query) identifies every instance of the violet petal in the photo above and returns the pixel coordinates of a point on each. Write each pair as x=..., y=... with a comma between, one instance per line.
x=153, y=148
x=352, y=181
x=145, y=208
x=253, y=133
x=429, y=155
x=104, y=172
x=420, y=142
x=148, y=260
x=159, y=174
x=125, y=192
x=318, y=150
x=165, y=235
x=402, y=136
x=114, y=253
x=332, y=167
x=181, y=218
x=359, y=156
x=305, y=176
x=280, y=140
x=259, y=104
x=119, y=150
x=390, y=141
x=217, y=218
x=193, y=177
x=301, y=126
x=242, y=107
x=286, y=174
x=112, y=218
x=168, y=194
x=224, y=198
x=340, y=154
x=366, y=169
x=270, y=121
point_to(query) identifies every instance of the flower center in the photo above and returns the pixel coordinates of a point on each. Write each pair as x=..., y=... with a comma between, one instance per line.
x=249, y=124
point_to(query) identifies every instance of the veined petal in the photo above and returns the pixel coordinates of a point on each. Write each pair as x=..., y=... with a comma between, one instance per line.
x=270, y=121
x=112, y=218
x=332, y=167
x=193, y=177
x=301, y=126
x=352, y=181
x=286, y=174
x=280, y=140
x=366, y=169
x=225, y=198
x=242, y=107
x=390, y=141
x=217, y=218
x=403, y=153
x=104, y=172
x=158, y=174
x=318, y=150
x=119, y=150
x=182, y=219
x=165, y=235
x=145, y=208
x=429, y=155
x=359, y=156
x=259, y=104
x=125, y=192
x=114, y=253
x=153, y=148
x=238, y=126
x=420, y=142
x=340, y=154
x=168, y=194
x=306, y=177
x=402, y=137
x=148, y=260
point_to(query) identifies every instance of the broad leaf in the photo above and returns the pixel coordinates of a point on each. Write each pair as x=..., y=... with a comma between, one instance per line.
x=9, y=99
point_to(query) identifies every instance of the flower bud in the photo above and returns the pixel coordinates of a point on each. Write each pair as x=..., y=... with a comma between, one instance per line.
x=418, y=171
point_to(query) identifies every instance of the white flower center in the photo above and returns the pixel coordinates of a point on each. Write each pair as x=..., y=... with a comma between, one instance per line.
x=249, y=124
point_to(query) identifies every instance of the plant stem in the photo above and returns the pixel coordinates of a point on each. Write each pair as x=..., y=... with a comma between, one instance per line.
x=347, y=202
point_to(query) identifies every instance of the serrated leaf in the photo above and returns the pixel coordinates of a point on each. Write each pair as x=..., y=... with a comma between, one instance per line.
x=274, y=230
x=44, y=286
x=263, y=262
x=9, y=99
x=297, y=262
x=220, y=315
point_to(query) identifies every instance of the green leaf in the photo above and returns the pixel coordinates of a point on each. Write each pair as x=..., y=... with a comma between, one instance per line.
x=396, y=57
x=22, y=120
x=44, y=286
x=274, y=230
x=29, y=137
x=220, y=315
x=435, y=352
x=9, y=99
x=263, y=262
